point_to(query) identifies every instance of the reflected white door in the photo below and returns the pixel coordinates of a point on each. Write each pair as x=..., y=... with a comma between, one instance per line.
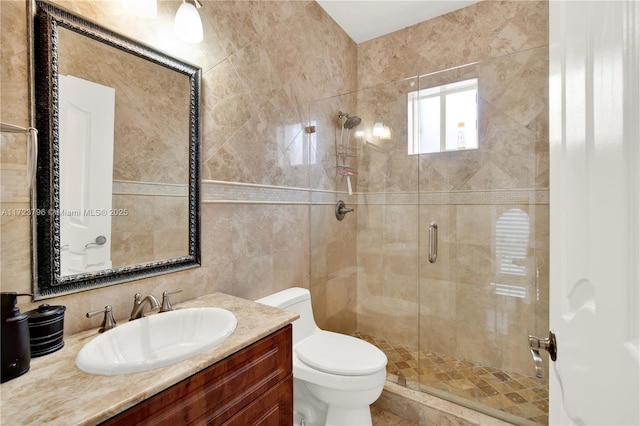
x=86, y=174
x=595, y=212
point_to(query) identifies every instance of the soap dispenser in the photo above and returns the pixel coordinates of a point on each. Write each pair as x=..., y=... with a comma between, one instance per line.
x=16, y=353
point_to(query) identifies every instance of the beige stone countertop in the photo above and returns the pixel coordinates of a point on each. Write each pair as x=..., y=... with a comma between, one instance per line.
x=55, y=392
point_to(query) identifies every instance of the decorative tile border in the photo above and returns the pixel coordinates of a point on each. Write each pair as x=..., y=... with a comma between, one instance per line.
x=233, y=192
x=149, y=188
x=14, y=186
x=496, y=197
x=513, y=196
x=227, y=192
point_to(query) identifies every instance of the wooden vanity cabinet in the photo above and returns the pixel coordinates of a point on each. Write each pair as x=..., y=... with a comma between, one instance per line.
x=251, y=387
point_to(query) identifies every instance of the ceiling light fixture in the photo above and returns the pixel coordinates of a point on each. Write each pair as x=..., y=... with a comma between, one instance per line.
x=187, y=24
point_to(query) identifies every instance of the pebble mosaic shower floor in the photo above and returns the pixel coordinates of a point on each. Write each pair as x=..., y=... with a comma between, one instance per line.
x=525, y=397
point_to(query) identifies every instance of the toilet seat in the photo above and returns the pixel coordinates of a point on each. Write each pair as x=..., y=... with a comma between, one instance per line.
x=340, y=354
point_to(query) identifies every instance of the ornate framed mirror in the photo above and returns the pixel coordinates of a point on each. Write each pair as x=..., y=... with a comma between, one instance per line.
x=117, y=183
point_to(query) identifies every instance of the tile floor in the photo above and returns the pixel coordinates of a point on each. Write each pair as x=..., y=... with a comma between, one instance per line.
x=513, y=393
x=383, y=418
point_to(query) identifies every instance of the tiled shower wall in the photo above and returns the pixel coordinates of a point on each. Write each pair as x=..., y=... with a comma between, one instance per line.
x=263, y=63
x=464, y=306
x=488, y=29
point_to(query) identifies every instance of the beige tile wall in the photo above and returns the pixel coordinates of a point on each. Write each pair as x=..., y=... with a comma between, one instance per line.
x=487, y=29
x=263, y=63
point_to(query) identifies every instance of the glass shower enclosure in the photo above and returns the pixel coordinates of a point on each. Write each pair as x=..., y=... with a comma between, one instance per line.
x=443, y=264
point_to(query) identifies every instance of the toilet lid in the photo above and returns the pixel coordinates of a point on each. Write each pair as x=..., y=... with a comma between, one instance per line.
x=340, y=354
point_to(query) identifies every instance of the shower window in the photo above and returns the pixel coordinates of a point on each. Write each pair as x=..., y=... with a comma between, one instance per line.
x=443, y=118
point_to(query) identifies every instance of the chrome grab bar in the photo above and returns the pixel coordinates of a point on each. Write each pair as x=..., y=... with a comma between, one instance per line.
x=433, y=242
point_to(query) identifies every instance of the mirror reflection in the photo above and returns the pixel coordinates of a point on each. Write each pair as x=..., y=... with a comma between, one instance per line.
x=118, y=168
x=120, y=151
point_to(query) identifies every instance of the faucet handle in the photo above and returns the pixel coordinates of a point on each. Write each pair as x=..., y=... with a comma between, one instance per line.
x=108, y=321
x=136, y=302
x=166, y=303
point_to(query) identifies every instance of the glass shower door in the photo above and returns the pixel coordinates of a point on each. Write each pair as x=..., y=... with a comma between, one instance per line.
x=488, y=288
x=388, y=229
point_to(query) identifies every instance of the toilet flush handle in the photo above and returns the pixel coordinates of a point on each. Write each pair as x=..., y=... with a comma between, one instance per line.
x=549, y=344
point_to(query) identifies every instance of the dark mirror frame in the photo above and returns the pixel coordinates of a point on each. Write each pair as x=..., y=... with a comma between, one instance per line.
x=47, y=281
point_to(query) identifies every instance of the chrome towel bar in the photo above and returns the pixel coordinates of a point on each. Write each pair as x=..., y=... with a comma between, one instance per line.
x=32, y=147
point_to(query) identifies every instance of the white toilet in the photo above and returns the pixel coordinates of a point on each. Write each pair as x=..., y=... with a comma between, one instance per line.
x=336, y=377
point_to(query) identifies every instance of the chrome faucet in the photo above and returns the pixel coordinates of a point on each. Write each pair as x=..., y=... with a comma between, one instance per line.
x=139, y=304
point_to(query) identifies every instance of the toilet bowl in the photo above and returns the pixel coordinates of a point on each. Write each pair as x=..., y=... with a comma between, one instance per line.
x=336, y=377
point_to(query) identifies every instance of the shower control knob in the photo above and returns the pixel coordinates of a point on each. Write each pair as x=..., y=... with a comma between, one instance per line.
x=342, y=210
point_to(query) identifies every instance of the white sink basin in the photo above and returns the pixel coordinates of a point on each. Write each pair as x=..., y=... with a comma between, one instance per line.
x=156, y=341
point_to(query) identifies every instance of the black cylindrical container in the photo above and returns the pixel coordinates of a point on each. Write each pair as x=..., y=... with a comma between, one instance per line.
x=46, y=329
x=16, y=355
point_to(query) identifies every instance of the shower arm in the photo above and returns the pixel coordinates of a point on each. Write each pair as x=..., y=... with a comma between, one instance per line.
x=32, y=147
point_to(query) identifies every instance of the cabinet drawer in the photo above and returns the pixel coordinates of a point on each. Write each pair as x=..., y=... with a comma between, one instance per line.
x=274, y=408
x=217, y=393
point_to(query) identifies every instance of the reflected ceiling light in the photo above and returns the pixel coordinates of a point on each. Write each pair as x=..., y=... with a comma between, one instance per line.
x=187, y=24
x=378, y=129
x=142, y=8
x=381, y=131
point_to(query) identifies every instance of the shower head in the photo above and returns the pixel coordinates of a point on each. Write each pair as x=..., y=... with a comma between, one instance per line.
x=351, y=122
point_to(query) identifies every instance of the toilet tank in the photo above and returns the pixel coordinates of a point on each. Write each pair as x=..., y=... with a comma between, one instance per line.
x=297, y=300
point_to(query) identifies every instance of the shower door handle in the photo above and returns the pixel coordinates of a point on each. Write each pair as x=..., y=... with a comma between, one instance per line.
x=433, y=242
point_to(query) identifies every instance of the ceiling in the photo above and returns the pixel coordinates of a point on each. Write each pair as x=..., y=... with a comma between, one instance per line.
x=367, y=19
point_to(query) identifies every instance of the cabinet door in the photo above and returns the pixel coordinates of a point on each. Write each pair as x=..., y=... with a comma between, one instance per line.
x=274, y=408
x=219, y=392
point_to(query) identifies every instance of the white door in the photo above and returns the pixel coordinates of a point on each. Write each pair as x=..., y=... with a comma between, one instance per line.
x=86, y=174
x=595, y=211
